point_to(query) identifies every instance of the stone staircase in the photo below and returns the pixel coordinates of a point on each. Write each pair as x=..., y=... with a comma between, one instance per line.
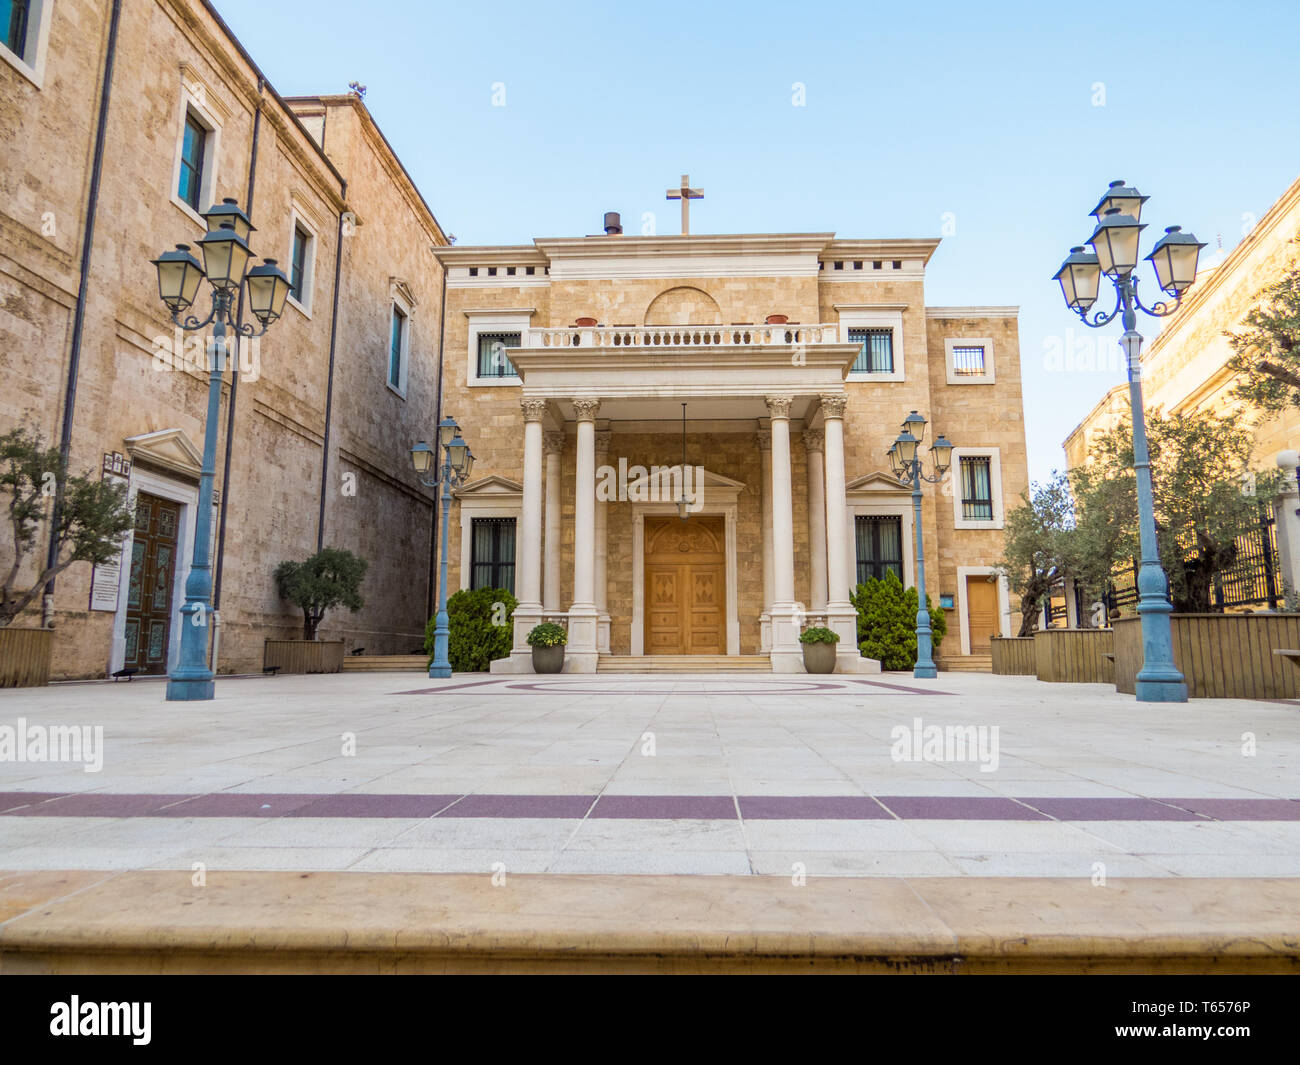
x=684, y=664
x=966, y=664
x=385, y=664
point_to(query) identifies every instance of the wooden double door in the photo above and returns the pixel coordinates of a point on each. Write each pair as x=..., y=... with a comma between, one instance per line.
x=685, y=586
x=150, y=591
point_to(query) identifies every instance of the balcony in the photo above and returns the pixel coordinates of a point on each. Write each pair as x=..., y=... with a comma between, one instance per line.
x=680, y=336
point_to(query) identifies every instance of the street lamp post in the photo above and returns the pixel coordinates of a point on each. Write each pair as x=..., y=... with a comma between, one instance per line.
x=225, y=264
x=1115, y=254
x=906, y=464
x=457, y=463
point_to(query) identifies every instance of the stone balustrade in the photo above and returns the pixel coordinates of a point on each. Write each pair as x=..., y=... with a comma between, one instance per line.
x=683, y=336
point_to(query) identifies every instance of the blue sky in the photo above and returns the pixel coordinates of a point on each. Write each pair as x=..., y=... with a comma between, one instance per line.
x=1011, y=118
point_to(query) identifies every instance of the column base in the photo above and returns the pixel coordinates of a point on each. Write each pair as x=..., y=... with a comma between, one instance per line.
x=190, y=689
x=1159, y=686
x=764, y=632
x=602, y=633
x=786, y=652
x=582, y=652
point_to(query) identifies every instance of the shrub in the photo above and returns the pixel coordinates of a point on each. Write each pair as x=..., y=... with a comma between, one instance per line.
x=887, y=622
x=479, y=629
x=819, y=634
x=547, y=634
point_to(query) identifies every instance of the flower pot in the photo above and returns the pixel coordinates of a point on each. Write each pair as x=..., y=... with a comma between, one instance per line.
x=819, y=657
x=25, y=657
x=586, y=323
x=548, y=659
x=777, y=319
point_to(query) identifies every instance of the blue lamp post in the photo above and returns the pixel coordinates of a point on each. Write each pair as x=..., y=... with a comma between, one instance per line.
x=225, y=264
x=457, y=463
x=906, y=464
x=1115, y=254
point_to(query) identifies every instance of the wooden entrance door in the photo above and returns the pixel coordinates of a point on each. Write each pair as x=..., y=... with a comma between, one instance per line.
x=981, y=613
x=149, y=594
x=685, y=586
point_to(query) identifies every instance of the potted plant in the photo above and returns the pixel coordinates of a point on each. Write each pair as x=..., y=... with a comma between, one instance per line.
x=90, y=518
x=330, y=578
x=547, y=641
x=586, y=323
x=777, y=319
x=819, y=649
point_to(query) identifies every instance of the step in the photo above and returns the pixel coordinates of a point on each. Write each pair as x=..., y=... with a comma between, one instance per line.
x=386, y=664
x=684, y=664
x=966, y=664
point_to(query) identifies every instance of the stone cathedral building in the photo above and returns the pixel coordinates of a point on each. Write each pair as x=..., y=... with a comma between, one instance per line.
x=607, y=384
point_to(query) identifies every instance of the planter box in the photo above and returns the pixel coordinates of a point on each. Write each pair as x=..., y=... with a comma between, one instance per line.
x=1013, y=656
x=1075, y=656
x=304, y=656
x=1221, y=656
x=25, y=657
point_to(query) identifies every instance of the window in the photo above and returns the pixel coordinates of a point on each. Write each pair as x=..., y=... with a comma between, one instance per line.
x=397, y=350
x=879, y=545
x=302, y=259
x=492, y=359
x=194, y=145
x=976, y=488
x=877, y=354
x=13, y=22
x=970, y=360
x=492, y=553
x=298, y=264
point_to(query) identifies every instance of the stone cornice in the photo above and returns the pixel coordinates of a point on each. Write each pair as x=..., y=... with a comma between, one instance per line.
x=972, y=312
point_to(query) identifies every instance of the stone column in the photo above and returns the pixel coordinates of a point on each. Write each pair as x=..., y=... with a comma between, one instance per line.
x=580, y=653
x=602, y=537
x=787, y=656
x=554, y=447
x=813, y=443
x=528, y=557
x=764, y=438
x=840, y=614
x=1288, y=526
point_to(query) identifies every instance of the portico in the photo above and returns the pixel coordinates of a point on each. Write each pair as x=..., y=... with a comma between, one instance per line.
x=588, y=391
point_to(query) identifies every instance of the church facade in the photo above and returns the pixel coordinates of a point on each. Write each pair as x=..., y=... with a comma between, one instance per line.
x=681, y=441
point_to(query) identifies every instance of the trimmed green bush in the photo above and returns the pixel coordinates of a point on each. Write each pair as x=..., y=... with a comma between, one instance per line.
x=478, y=622
x=547, y=634
x=819, y=634
x=887, y=622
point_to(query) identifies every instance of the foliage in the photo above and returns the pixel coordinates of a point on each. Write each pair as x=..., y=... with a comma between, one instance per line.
x=479, y=628
x=1205, y=497
x=547, y=634
x=887, y=621
x=330, y=578
x=1266, y=352
x=1040, y=546
x=819, y=634
x=89, y=515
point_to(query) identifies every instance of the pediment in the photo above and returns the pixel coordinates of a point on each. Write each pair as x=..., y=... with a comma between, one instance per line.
x=657, y=474
x=487, y=487
x=877, y=481
x=169, y=449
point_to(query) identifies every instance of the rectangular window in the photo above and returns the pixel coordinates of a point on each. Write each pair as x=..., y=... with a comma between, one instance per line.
x=492, y=553
x=492, y=360
x=879, y=545
x=193, y=150
x=298, y=264
x=13, y=22
x=877, y=353
x=968, y=360
x=396, y=347
x=976, y=488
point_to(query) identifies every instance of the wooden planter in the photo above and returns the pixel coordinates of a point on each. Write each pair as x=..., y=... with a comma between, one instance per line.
x=1075, y=656
x=304, y=656
x=1013, y=656
x=25, y=657
x=1221, y=656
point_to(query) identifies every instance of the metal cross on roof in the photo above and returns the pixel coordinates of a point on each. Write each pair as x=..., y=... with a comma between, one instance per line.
x=686, y=194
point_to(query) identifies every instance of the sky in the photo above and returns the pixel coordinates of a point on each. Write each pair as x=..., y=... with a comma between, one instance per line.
x=994, y=125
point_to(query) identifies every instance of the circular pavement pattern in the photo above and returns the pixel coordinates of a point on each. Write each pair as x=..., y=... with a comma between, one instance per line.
x=665, y=686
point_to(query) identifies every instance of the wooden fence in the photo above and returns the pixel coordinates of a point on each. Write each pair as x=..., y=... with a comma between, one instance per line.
x=1013, y=656
x=1221, y=656
x=304, y=656
x=1075, y=656
x=25, y=657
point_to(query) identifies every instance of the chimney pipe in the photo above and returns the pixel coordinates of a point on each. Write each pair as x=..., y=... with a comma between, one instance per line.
x=613, y=225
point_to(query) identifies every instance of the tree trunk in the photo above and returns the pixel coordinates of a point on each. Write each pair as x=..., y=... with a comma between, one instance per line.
x=309, y=623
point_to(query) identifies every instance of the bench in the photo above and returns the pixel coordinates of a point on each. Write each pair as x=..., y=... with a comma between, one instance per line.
x=272, y=670
x=127, y=673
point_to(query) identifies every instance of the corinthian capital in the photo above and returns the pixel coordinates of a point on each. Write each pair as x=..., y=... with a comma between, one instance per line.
x=778, y=406
x=833, y=405
x=814, y=439
x=584, y=410
x=534, y=409
x=553, y=442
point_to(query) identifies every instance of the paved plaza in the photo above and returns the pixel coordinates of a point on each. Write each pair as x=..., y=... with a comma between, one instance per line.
x=634, y=774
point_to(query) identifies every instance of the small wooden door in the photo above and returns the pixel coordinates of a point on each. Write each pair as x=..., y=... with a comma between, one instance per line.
x=981, y=613
x=685, y=586
x=150, y=592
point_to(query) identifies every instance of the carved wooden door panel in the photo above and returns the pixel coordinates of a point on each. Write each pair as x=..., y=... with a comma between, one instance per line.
x=685, y=586
x=151, y=587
